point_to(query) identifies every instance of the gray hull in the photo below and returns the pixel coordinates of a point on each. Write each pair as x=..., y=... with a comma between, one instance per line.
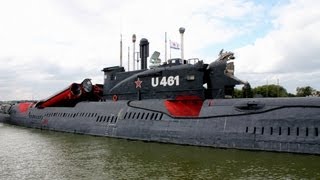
x=283, y=124
x=4, y=118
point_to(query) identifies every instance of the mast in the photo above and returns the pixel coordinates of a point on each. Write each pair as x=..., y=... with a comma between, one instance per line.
x=165, y=47
x=120, y=50
x=182, y=30
x=134, y=38
x=128, y=57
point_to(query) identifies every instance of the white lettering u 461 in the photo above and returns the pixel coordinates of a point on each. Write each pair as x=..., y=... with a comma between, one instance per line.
x=165, y=81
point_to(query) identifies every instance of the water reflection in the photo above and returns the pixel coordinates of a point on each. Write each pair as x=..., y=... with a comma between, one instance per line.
x=35, y=154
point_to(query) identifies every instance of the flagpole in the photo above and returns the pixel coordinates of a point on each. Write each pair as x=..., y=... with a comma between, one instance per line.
x=128, y=57
x=165, y=45
x=170, y=50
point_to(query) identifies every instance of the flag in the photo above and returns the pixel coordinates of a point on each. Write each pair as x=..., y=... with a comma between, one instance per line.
x=174, y=45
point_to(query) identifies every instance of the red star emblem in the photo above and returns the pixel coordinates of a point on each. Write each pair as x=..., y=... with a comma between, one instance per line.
x=138, y=83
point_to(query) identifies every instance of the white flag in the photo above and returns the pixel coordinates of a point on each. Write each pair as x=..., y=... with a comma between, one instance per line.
x=174, y=45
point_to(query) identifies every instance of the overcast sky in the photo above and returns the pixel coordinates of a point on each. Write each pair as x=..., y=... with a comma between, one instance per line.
x=45, y=45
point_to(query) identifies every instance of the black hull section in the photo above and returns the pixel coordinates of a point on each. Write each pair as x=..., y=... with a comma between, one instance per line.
x=283, y=125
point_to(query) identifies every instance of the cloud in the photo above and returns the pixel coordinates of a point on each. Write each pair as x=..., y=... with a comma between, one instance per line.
x=289, y=51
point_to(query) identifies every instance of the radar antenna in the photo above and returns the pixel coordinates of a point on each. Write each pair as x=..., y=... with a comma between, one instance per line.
x=225, y=56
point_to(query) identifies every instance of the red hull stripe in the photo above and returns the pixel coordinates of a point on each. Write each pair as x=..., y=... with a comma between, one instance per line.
x=184, y=106
x=24, y=107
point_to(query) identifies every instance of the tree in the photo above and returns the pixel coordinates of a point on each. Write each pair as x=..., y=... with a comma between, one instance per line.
x=237, y=93
x=270, y=91
x=305, y=91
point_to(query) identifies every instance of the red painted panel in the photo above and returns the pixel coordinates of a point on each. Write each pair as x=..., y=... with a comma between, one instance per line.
x=24, y=107
x=184, y=106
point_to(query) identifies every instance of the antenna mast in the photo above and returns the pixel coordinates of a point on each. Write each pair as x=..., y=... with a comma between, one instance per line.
x=134, y=38
x=120, y=50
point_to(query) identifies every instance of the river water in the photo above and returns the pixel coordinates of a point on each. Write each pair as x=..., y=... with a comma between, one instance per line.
x=35, y=154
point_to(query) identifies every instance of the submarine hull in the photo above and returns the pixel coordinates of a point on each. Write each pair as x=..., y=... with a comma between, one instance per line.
x=274, y=124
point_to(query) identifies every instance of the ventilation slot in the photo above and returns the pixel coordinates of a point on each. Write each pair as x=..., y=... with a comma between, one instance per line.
x=279, y=131
x=160, y=116
x=297, y=131
x=262, y=130
x=316, y=131
x=288, y=131
x=271, y=130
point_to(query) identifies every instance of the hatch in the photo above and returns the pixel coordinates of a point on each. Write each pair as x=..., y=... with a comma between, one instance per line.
x=250, y=105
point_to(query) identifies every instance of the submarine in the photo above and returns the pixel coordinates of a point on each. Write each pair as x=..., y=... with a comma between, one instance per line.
x=181, y=101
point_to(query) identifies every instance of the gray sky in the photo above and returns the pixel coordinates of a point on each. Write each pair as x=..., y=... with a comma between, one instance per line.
x=45, y=45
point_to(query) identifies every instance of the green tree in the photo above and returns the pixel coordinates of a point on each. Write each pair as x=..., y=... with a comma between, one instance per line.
x=291, y=95
x=270, y=91
x=305, y=91
x=237, y=93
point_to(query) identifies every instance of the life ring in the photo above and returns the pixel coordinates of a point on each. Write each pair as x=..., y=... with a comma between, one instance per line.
x=114, y=97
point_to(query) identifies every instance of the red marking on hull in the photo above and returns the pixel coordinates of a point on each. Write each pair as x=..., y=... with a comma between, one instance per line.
x=24, y=107
x=184, y=106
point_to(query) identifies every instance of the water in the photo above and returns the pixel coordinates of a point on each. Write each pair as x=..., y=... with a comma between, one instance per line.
x=34, y=154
